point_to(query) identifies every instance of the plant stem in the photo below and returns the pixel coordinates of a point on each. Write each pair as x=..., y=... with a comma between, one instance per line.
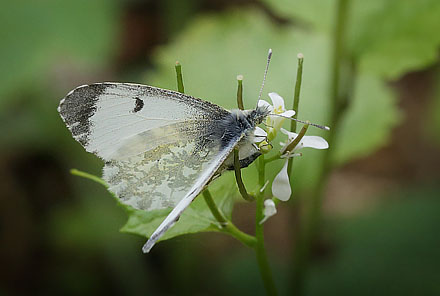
x=179, y=77
x=248, y=240
x=293, y=123
x=88, y=176
x=297, y=91
x=227, y=226
x=296, y=141
x=213, y=207
x=312, y=204
x=238, y=179
x=262, y=260
x=240, y=92
x=272, y=158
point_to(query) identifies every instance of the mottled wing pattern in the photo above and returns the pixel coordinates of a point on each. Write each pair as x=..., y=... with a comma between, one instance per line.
x=155, y=142
x=160, y=177
x=210, y=169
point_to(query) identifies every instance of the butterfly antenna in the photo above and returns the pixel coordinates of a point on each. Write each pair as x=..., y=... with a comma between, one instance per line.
x=324, y=127
x=269, y=56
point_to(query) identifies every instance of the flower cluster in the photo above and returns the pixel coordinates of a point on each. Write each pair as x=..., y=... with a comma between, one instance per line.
x=278, y=114
x=281, y=188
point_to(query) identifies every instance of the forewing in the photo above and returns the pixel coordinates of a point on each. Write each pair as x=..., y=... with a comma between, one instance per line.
x=106, y=118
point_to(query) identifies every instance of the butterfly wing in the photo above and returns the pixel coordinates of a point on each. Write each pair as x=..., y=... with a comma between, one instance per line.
x=161, y=147
x=155, y=142
x=108, y=118
x=212, y=167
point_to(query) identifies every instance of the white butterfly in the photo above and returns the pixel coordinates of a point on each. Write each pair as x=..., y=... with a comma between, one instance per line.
x=161, y=148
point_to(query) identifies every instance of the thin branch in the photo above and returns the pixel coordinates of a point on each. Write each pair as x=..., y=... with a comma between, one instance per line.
x=179, y=77
x=240, y=92
x=238, y=179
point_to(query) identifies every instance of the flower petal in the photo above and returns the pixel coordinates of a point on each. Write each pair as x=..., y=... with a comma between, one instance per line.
x=259, y=132
x=314, y=142
x=290, y=135
x=281, y=185
x=259, y=135
x=263, y=103
x=277, y=122
x=307, y=141
x=288, y=113
x=277, y=101
x=269, y=210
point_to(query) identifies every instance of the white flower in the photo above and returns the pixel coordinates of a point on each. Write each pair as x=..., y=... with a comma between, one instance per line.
x=269, y=210
x=281, y=184
x=277, y=109
x=306, y=141
x=259, y=135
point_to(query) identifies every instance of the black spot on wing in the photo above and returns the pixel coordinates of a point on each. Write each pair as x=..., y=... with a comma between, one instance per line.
x=139, y=104
x=77, y=107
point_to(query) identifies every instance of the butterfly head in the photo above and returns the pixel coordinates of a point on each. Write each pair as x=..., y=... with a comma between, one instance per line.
x=258, y=115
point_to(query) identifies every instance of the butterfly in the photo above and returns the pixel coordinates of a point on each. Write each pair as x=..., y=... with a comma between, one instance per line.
x=161, y=148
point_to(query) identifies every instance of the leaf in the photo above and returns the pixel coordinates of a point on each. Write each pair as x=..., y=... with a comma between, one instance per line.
x=196, y=218
x=372, y=111
x=389, y=38
x=394, y=37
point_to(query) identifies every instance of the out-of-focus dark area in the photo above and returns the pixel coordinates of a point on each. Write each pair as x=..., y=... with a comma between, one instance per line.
x=60, y=234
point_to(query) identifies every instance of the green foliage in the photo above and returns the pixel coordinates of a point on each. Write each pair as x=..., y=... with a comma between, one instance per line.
x=393, y=37
x=371, y=115
x=389, y=38
x=196, y=218
x=38, y=34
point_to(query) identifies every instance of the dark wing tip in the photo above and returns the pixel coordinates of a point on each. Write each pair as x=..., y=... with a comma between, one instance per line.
x=77, y=107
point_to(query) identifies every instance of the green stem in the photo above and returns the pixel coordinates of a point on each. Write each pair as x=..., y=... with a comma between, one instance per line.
x=262, y=260
x=272, y=158
x=312, y=204
x=88, y=176
x=246, y=239
x=240, y=92
x=213, y=207
x=296, y=141
x=179, y=77
x=293, y=123
x=227, y=226
x=238, y=179
x=297, y=91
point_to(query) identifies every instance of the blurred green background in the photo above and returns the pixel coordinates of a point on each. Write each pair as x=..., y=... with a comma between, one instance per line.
x=60, y=234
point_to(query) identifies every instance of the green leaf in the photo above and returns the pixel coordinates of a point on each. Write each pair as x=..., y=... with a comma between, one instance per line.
x=310, y=14
x=388, y=38
x=394, y=37
x=196, y=218
x=367, y=124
